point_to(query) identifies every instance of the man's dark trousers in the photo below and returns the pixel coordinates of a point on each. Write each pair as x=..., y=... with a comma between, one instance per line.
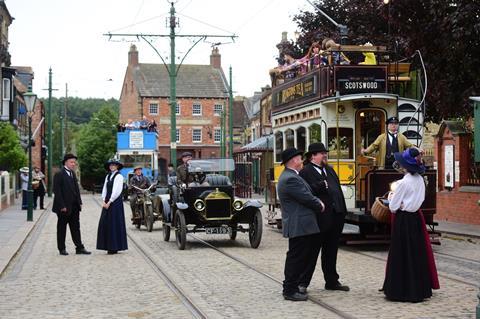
x=298, y=255
x=73, y=221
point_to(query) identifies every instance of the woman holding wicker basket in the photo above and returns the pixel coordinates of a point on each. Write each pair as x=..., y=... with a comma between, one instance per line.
x=411, y=272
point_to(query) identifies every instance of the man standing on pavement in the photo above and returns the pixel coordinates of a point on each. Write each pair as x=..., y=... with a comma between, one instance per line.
x=299, y=220
x=67, y=204
x=326, y=186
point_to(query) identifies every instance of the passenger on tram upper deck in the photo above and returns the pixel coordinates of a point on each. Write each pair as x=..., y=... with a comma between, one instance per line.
x=315, y=56
x=335, y=57
x=130, y=125
x=387, y=144
x=144, y=123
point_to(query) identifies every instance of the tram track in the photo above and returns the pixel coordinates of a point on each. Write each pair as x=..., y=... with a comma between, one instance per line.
x=195, y=310
x=442, y=275
x=317, y=301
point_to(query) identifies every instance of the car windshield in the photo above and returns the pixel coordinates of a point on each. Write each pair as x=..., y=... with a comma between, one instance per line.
x=212, y=165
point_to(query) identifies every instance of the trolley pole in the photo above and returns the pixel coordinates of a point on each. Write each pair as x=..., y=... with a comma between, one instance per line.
x=173, y=91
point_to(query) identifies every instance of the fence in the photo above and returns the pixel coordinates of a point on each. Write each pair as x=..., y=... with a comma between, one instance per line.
x=473, y=178
x=7, y=190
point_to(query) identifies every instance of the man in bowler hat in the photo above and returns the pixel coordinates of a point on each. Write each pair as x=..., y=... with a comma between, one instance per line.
x=325, y=185
x=387, y=144
x=67, y=204
x=300, y=209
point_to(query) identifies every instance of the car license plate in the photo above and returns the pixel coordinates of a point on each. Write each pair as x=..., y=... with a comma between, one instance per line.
x=217, y=230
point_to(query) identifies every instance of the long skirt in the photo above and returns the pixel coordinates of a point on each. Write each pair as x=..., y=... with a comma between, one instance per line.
x=409, y=274
x=112, y=234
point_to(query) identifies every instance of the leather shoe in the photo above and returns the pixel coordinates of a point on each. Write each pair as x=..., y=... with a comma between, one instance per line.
x=83, y=251
x=296, y=296
x=302, y=289
x=63, y=252
x=112, y=252
x=337, y=286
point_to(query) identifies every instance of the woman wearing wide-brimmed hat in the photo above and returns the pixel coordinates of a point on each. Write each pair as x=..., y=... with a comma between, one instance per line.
x=112, y=234
x=24, y=184
x=411, y=273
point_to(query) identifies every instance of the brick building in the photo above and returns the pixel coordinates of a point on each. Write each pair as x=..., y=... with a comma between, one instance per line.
x=202, y=95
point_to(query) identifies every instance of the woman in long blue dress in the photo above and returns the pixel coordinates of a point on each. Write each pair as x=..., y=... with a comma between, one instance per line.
x=112, y=234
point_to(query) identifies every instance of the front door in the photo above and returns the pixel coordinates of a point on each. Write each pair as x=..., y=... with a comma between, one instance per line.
x=370, y=123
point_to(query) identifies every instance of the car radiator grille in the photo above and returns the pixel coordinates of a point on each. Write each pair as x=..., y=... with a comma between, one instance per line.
x=217, y=208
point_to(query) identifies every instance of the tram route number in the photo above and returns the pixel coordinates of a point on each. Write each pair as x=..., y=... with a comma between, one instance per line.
x=218, y=230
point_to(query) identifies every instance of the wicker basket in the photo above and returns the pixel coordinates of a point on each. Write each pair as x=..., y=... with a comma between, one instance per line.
x=380, y=211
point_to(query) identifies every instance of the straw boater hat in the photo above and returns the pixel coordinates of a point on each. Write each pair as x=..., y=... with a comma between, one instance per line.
x=411, y=160
x=24, y=170
x=113, y=161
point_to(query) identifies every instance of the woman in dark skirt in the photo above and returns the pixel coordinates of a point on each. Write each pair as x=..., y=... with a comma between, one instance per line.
x=411, y=273
x=112, y=234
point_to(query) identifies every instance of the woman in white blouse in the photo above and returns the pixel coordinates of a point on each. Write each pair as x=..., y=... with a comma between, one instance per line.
x=112, y=234
x=411, y=273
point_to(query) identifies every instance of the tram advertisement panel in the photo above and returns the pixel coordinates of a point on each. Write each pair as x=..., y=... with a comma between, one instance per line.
x=294, y=92
x=360, y=79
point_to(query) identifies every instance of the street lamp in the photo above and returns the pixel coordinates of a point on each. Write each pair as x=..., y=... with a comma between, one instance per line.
x=30, y=100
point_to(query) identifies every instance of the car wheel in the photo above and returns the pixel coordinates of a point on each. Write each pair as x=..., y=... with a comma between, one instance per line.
x=166, y=232
x=255, y=229
x=180, y=230
x=149, y=218
x=233, y=233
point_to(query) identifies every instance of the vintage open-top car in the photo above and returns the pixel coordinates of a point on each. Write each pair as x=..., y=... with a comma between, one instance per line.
x=208, y=205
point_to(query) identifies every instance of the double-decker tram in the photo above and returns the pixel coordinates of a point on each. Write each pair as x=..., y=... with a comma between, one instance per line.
x=345, y=106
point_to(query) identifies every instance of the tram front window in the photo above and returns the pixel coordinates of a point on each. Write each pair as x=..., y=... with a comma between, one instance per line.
x=133, y=160
x=342, y=146
x=301, y=138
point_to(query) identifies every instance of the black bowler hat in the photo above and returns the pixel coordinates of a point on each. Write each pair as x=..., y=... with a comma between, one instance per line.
x=392, y=119
x=68, y=156
x=185, y=154
x=289, y=153
x=115, y=162
x=316, y=148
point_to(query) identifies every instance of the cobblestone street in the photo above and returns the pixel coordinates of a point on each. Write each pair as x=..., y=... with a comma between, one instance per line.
x=39, y=283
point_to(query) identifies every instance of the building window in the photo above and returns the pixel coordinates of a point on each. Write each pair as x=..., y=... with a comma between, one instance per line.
x=217, y=135
x=196, y=135
x=177, y=133
x=197, y=109
x=177, y=109
x=217, y=109
x=153, y=109
x=6, y=89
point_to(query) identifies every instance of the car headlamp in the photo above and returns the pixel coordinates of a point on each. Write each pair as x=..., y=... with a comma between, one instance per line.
x=199, y=205
x=237, y=205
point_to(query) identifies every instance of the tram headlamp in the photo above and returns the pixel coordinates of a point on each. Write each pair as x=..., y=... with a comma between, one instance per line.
x=237, y=204
x=199, y=205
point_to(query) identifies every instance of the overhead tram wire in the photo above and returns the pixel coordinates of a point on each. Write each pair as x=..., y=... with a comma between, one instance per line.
x=253, y=16
x=136, y=15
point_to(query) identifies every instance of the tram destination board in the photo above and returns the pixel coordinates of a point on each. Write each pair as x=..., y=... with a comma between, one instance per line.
x=360, y=79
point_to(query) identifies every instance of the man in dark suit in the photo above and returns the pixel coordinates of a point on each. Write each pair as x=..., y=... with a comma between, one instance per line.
x=299, y=220
x=326, y=186
x=67, y=204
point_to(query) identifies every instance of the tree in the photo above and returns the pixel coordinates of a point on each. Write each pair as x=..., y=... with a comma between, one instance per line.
x=445, y=32
x=12, y=155
x=96, y=144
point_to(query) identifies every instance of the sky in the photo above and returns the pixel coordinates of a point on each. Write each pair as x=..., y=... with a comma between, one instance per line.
x=67, y=35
